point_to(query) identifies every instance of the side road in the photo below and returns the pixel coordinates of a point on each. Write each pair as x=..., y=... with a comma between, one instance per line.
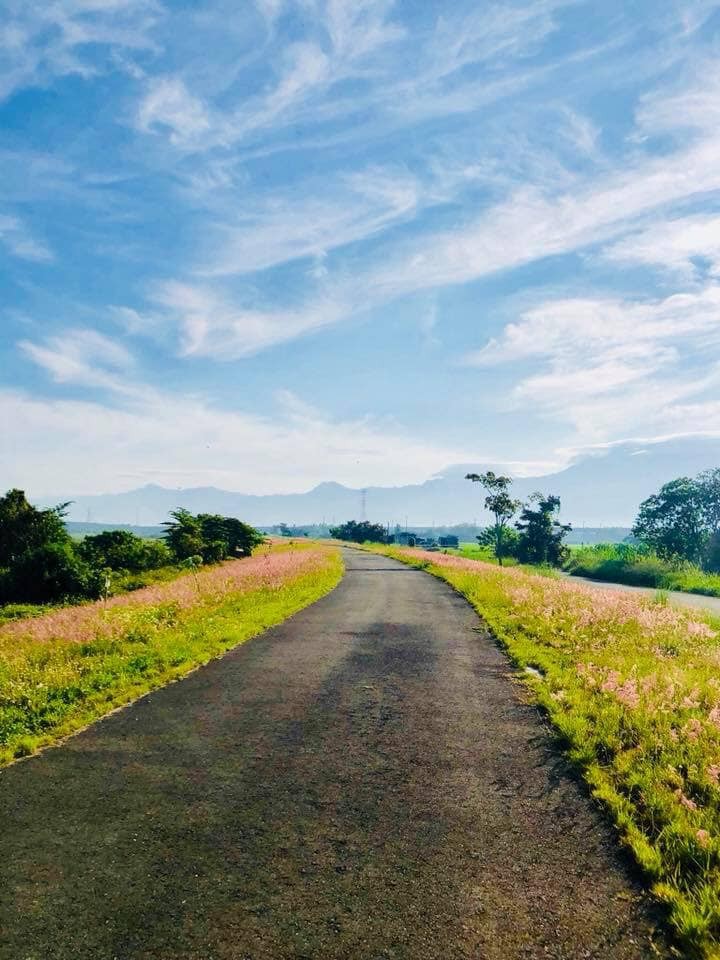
x=362, y=781
x=695, y=601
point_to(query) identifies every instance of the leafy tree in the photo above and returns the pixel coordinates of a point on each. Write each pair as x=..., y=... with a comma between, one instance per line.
x=541, y=533
x=155, y=554
x=24, y=527
x=359, y=532
x=675, y=522
x=183, y=534
x=488, y=538
x=123, y=550
x=239, y=538
x=209, y=536
x=500, y=504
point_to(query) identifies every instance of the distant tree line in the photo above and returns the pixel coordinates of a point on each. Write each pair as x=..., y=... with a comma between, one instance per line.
x=41, y=563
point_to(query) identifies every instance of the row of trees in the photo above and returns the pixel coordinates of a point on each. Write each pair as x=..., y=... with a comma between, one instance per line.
x=536, y=536
x=682, y=520
x=40, y=562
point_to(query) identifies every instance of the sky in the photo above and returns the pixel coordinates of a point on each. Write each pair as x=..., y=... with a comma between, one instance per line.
x=263, y=244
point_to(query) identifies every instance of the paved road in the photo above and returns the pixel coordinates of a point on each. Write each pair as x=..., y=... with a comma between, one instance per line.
x=363, y=781
x=693, y=600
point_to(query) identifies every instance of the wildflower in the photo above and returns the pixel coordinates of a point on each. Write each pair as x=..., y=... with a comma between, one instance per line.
x=692, y=729
x=703, y=838
x=685, y=801
x=713, y=773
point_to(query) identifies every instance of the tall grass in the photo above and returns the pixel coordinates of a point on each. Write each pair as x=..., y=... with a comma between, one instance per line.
x=633, y=689
x=62, y=670
x=623, y=563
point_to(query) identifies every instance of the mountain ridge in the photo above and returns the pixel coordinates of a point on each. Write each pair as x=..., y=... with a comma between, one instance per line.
x=601, y=489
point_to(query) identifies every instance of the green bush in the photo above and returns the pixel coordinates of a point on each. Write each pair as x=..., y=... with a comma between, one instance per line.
x=639, y=567
x=50, y=573
x=123, y=550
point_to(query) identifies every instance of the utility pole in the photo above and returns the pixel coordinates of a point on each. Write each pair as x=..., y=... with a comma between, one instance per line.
x=363, y=505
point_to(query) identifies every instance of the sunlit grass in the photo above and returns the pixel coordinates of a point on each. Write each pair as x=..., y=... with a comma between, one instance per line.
x=60, y=671
x=620, y=563
x=633, y=689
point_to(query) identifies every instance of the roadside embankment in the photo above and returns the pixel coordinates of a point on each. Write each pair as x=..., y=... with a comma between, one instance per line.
x=61, y=671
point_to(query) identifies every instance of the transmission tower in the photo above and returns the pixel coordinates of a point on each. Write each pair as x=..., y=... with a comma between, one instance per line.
x=363, y=505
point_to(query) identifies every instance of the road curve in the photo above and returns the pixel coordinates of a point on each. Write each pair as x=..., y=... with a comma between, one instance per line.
x=363, y=781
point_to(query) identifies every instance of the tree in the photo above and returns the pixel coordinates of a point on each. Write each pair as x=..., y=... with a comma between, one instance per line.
x=500, y=504
x=209, y=536
x=541, y=533
x=183, y=534
x=123, y=550
x=24, y=527
x=355, y=532
x=510, y=539
x=240, y=537
x=676, y=521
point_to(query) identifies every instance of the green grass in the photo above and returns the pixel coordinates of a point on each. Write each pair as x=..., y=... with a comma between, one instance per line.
x=21, y=611
x=632, y=688
x=126, y=582
x=619, y=563
x=52, y=687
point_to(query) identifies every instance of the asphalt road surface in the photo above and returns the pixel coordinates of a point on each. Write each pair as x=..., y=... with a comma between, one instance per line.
x=363, y=781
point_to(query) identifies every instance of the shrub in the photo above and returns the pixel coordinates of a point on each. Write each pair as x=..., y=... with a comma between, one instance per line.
x=122, y=550
x=50, y=572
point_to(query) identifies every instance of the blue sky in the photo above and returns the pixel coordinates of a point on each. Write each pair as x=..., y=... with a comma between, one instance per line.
x=265, y=243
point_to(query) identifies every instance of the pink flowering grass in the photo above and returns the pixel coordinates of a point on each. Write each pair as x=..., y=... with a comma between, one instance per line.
x=268, y=569
x=633, y=688
x=62, y=670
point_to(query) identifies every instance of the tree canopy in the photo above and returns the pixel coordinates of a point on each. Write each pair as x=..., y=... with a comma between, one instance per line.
x=501, y=505
x=541, y=534
x=209, y=536
x=682, y=520
x=359, y=532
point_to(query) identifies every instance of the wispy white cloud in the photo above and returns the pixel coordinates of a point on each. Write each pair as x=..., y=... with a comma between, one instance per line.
x=609, y=365
x=687, y=246
x=213, y=325
x=85, y=358
x=285, y=227
x=17, y=240
x=40, y=41
x=169, y=105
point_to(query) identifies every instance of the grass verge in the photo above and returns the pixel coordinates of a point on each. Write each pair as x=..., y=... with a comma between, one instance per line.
x=619, y=563
x=61, y=671
x=633, y=690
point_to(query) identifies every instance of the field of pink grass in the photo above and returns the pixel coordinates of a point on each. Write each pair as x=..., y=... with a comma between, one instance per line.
x=267, y=569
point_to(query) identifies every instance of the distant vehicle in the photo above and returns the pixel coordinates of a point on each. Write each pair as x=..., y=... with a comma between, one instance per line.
x=449, y=541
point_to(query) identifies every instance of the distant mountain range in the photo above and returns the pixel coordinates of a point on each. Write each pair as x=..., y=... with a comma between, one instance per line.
x=602, y=489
